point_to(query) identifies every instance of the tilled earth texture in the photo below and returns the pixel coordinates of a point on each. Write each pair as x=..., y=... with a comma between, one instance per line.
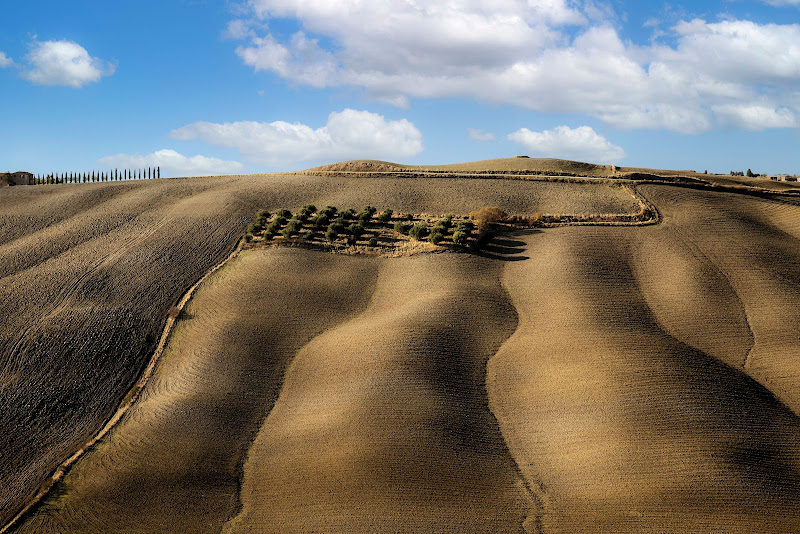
x=579, y=379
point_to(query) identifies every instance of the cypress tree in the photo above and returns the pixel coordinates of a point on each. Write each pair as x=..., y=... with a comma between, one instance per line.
x=159, y=171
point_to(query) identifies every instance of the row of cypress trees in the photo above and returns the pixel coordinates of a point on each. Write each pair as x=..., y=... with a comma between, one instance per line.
x=98, y=176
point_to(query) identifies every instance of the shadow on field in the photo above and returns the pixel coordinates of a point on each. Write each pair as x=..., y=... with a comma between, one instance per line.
x=501, y=247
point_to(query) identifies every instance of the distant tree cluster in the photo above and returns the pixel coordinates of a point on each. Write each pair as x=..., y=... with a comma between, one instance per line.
x=98, y=176
x=749, y=174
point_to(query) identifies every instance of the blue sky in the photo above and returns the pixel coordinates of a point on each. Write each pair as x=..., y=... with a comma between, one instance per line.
x=209, y=87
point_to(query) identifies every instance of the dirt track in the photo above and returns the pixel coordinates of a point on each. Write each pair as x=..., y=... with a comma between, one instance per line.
x=600, y=379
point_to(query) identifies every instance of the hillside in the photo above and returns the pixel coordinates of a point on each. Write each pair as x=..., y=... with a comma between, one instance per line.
x=90, y=271
x=608, y=379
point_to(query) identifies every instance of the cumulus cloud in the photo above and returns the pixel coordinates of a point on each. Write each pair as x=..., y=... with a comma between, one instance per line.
x=173, y=163
x=348, y=134
x=582, y=143
x=64, y=63
x=5, y=61
x=479, y=135
x=755, y=116
x=547, y=55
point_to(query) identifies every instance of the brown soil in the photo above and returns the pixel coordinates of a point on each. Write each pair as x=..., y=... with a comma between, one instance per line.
x=604, y=379
x=89, y=273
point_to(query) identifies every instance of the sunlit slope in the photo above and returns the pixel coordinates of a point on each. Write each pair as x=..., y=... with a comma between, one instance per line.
x=623, y=395
x=383, y=422
x=753, y=248
x=88, y=273
x=176, y=459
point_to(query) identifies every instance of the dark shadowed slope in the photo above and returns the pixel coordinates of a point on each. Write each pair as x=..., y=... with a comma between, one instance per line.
x=383, y=424
x=176, y=459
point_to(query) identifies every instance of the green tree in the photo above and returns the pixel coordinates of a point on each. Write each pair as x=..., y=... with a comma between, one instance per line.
x=418, y=232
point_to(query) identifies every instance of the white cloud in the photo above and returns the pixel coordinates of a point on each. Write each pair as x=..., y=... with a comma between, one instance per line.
x=238, y=29
x=64, y=63
x=581, y=143
x=755, y=116
x=5, y=61
x=479, y=135
x=783, y=2
x=348, y=134
x=173, y=163
x=546, y=55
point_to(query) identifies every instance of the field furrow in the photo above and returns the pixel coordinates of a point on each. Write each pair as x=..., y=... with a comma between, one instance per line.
x=177, y=456
x=619, y=426
x=383, y=423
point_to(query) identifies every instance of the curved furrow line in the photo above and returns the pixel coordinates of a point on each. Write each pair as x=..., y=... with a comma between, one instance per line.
x=626, y=428
x=762, y=263
x=177, y=454
x=383, y=422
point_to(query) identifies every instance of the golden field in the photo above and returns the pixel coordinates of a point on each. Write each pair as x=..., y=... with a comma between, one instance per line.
x=607, y=379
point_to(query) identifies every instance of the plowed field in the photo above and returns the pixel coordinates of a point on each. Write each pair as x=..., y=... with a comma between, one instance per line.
x=579, y=379
x=88, y=273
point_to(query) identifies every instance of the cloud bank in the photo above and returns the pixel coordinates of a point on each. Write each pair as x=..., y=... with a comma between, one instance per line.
x=546, y=55
x=173, y=163
x=348, y=134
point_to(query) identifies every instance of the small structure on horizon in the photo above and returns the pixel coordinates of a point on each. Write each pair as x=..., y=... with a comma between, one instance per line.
x=18, y=178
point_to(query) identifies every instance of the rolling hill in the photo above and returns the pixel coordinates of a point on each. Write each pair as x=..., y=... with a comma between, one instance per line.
x=608, y=379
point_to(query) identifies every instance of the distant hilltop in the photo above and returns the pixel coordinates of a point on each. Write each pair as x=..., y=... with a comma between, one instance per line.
x=515, y=165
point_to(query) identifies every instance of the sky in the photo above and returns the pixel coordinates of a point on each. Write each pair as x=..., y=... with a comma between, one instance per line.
x=202, y=87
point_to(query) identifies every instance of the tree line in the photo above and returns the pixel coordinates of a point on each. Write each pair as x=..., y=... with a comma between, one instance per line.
x=98, y=176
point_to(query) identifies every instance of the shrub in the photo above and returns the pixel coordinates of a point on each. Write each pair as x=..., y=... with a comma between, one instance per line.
x=447, y=220
x=486, y=217
x=400, y=227
x=253, y=228
x=348, y=214
x=248, y=237
x=268, y=234
x=308, y=209
x=386, y=216
x=292, y=228
x=331, y=233
x=460, y=238
x=355, y=230
x=465, y=226
x=283, y=214
x=337, y=225
x=366, y=214
x=418, y=232
x=439, y=228
x=328, y=211
x=373, y=242
x=278, y=221
x=263, y=214
x=321, y=220
x=436, y=237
